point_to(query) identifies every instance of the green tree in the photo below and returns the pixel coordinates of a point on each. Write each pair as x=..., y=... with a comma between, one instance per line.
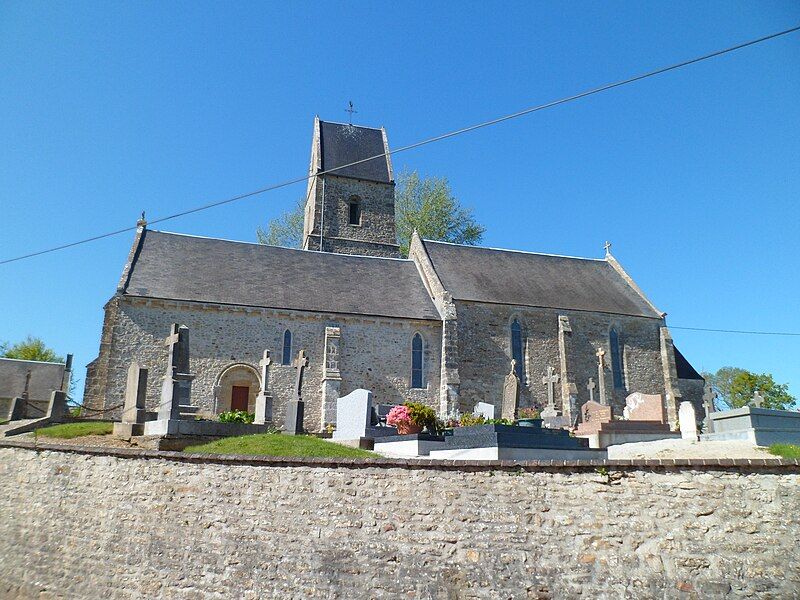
x=30, y=349
x=285, y=230
x=722, y=380
x=745, y=384
x=425, y=204
x=428, y=205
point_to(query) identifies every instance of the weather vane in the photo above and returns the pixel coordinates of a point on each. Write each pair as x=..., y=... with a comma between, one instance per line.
x=351, y=110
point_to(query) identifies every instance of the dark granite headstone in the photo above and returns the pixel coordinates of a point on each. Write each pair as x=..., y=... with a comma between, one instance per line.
x=294, y=418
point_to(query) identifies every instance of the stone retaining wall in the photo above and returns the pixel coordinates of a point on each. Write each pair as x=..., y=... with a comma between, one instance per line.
x=91, y=523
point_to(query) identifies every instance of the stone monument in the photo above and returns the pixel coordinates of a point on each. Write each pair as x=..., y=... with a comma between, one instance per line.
x=709, y=394
x=264, y=398
x=601, y=375
x=687, y=420
x=133, y=412
x=295, y=408
x=176, y=389
x=510, y=394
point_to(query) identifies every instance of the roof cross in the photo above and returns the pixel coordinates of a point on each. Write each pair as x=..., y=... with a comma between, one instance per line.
x=607, y=246
x=350, y=110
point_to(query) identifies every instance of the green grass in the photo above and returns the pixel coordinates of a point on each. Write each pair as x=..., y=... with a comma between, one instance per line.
x=785, y=450
x=72, y=430
x=275, y=444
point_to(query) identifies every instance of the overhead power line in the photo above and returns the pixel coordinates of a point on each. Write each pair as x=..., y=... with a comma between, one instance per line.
x=424, y=142
x=787, y=333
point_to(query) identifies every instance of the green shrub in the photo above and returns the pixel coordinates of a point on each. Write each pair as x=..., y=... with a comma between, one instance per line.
x=422, y=415
x=236, y=416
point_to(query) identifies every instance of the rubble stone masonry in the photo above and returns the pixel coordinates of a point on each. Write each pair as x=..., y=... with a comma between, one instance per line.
x=86, y=523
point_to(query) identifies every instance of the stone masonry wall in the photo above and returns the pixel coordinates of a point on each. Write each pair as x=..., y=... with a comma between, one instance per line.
x=375, y=236
x=155, y=525
x=484, y=338
x=375, y=352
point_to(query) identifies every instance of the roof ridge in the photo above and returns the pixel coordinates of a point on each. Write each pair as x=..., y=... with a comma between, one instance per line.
x=531, y=252
x=218, y=239
x=41, y=362
x=351, y=125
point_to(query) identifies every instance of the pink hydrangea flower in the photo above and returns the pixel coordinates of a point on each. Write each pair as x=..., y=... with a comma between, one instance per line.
x=398, y=415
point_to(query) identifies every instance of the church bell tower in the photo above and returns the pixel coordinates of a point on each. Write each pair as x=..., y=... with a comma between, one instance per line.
x=350, y=210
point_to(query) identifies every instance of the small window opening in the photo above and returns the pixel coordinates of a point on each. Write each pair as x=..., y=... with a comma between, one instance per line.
x=354, y=215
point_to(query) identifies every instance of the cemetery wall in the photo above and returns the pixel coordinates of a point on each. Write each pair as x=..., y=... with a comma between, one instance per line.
x=484, y=338
x=375, y=352
x=132, y=524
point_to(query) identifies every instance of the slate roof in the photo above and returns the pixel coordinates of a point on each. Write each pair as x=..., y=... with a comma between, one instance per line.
x=684, y=368
x=342, y=144
x=528, y=279
x=182, y=267
x=45, y=377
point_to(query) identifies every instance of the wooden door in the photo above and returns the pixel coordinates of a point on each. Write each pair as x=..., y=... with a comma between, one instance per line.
x=239, y=396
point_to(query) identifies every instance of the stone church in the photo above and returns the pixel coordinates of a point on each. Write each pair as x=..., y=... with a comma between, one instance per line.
x=440, y=327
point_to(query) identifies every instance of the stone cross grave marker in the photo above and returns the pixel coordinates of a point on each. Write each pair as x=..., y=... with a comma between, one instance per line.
x=135, y=394
x=601, y=375
x=709, y=394
x=177, y=386
x=510, y=394
x=550, y=380
x=295, y=408
x=758, y=399
x=300, y=363
x=590, y=386
x=264, y=398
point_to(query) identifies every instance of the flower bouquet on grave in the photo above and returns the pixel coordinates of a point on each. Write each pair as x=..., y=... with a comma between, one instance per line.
x=529, y=417
x=411, y=417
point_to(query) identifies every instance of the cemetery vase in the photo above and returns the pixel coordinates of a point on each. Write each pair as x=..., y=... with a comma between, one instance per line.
x=408, y=428
x=529, y=422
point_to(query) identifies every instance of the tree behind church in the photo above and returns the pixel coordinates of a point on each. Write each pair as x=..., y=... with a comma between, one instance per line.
x=737, y=386
x=30, y=349
x=426, y=204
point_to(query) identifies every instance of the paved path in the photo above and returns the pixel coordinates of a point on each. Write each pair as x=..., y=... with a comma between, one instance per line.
x=687, y=449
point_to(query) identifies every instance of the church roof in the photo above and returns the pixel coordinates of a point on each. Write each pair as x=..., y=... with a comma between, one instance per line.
x=45, y=377
x=181, y=267
x=529, y=279
x=342, y=144
x=684, y=368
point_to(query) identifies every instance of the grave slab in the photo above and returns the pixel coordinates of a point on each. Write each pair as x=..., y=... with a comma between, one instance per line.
x=408, y=446
x=758, y=426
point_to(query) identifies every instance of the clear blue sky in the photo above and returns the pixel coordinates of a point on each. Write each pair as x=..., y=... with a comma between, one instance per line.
x=107, y=109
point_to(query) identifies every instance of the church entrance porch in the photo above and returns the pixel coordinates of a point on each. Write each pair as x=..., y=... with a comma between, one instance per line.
x=236, y=389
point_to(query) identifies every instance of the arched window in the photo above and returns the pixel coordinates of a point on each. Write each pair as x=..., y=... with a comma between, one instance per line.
x=516, y=347
x=354, y=211
x=286, y=358
x=416, y=361
x=616, y=359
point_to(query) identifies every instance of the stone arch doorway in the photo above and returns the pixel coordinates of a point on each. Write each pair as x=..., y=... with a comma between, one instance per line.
x=237, y=387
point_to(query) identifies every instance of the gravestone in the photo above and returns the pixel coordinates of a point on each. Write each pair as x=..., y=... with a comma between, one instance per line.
x=296, y=407
x=688, y=421
x=601, y=375
x=644, y=407
x=353, y=415
x=550, y=380
x=594, y=415
x=510, y=394
x=176, y=388
x=135, y=394
x=591, y=386
x=758, y=400
x=486, y=410
x=57, y=409
x=264, y=398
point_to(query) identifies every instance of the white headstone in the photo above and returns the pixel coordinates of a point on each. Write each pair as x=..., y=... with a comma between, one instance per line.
x=353, y=415
x=688, y=421
x=486, y=410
